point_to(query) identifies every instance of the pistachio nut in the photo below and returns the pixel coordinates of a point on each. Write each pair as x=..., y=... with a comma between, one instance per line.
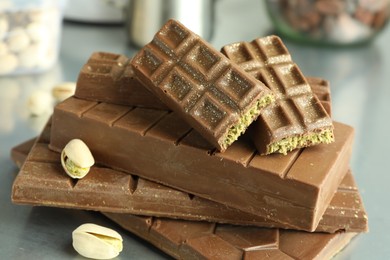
x=63, y=90
x=97, y=242
x=76, y=159
x=39, y=103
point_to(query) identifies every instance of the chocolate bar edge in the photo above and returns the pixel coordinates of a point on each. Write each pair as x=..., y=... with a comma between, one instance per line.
x=55, y=145
x=325, y=225
x=142, y=227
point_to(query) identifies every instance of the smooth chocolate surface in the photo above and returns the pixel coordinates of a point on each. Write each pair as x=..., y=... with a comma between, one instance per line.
x=196, y=240
x=19, y=153
x=297, y=119
x=201, y=85
x=294, y=189
x=345, y=211
x=108, y=77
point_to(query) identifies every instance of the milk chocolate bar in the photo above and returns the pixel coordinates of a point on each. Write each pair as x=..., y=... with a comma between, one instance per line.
x=98, y=82
x=294, y=189
x=201, y=85
x=108, y=77
x=321, y=89
x=171, y=236
x=42, y=182
x=196, y=240
x=19, y=153
x=297, y=118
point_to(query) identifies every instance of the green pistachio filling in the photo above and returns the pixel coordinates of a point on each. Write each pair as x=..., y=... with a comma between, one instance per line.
x=235, y=131
x=77, y=171
x=290, y=143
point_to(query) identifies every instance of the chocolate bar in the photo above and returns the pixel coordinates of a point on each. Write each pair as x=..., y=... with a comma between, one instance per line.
x=98, y=82
x=201, y=85
x=297, y=118
x=42, y=182
x=321, y=89
x=157, y=145
x=171, y=236
x=19, y=153
x=196, y=240
x=108, y=77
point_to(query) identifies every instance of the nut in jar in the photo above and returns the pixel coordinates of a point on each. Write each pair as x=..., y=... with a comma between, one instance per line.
x=29, y=35
x=329, y=22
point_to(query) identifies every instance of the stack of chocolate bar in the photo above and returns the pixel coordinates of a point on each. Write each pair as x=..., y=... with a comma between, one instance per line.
x=205, y=154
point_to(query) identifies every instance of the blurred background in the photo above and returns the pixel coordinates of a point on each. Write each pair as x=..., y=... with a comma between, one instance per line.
x=43, y=44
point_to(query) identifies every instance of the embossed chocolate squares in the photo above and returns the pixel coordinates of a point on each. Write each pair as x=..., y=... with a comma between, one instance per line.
x=252, y=56
x=209, y=92
x=198, y=240
x=297, y=119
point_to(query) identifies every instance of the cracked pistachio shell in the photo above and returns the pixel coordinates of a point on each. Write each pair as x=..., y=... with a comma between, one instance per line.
x=76, y=159
x=97, y=242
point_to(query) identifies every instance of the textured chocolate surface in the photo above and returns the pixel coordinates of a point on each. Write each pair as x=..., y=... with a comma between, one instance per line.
x=297, y=113
x=206, y=89
x=123, y=88
x=157, y=145
x=196, y=240
x=108, y=77
x=143, y=197
x=321, y=89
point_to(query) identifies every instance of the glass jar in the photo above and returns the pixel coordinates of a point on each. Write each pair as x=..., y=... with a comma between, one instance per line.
x=30, y=33
x=197, y=15
x=329, y=22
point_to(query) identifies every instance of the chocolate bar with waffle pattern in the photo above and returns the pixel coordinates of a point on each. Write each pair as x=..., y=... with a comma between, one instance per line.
x=297, y=118
x=199, y=240
x=106, y=77
x=206, y=89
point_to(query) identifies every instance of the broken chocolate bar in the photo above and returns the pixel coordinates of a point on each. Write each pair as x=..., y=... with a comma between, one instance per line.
x=42, y=182
x=297, y=118
x=98, y=82
x=108, y=77
x=201, y=85
x=294, y=189
x=196, y=240
x=321, y=89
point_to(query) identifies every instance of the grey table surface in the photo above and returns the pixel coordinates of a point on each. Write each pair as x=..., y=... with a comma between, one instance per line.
x=359, y=80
